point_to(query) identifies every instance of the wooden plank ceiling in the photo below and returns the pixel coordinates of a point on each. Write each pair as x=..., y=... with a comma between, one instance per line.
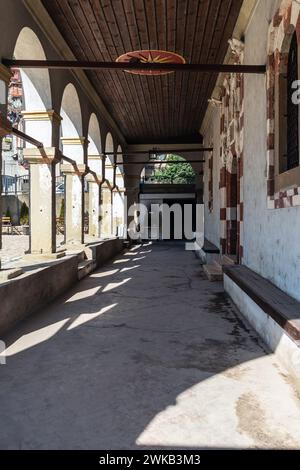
x=159, y=109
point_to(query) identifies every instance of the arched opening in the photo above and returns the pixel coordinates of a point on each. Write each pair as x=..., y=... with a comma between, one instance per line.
x=95, y=164
x=71, y=126
x=36, y=82
x=168, y=195
x=118, y=197
x=94, y=146
x=72, y=146
x=29, y=110
x=15, y=171
x=109, y=161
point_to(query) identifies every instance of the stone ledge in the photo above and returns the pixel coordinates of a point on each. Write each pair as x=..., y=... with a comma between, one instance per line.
x=40, y=283
x=282, y=308
x=279, y=339
x=10, y=273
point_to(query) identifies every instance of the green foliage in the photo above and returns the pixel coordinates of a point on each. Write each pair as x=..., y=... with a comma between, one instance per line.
x=175, y=174
x=62, y=210
x=24, y=214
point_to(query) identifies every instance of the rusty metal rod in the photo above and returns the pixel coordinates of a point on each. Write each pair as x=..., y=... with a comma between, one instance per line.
x=27, y=138
x=160, y=162
x=158, y=151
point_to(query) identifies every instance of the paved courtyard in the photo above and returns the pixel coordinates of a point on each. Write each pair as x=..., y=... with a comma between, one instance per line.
x=13, y=247
x=144, y=353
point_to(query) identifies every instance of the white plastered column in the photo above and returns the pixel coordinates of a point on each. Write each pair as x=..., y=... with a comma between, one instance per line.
x=42, y=125
x=42, y=200
x=119, y=207
x=132, y=189
x=73, y=148
x=106, y=228
x=95, y=164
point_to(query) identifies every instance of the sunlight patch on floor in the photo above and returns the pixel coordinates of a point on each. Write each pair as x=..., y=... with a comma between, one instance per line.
x=87, y=317
x=33, y=338
x=114, y=285
x=84, y=294
x=111, y=272
x=233, y=409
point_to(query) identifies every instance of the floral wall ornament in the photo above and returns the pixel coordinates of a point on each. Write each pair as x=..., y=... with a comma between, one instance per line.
x=151, y=56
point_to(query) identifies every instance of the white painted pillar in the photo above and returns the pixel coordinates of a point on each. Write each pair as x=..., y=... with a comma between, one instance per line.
x=95, y=162
x=74, y=203
x=94, y=207
x=42, y=125
x=119, y=207
x=107, y=201
x=42, y=218
x=73, y=148
x=132, y=189
x=106, y=229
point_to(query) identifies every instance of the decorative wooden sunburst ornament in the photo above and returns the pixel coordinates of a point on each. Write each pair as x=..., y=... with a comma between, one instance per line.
x=151, y=57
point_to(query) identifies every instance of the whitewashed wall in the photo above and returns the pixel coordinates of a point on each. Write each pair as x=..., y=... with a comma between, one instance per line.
x=271, y=237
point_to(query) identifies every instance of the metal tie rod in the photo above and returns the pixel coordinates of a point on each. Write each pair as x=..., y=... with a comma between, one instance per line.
x=93, y=65
x=27, y=138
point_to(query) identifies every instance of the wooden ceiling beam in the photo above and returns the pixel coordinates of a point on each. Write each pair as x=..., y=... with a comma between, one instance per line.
x=93, y=65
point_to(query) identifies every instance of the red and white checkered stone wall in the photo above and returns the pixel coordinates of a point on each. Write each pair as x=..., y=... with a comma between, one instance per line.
x=283, y=26
x=231, y=153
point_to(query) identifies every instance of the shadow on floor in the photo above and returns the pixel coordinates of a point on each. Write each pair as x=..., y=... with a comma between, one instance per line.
x=98, y=367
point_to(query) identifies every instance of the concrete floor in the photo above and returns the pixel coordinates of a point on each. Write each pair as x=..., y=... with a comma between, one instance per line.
x=145, y=353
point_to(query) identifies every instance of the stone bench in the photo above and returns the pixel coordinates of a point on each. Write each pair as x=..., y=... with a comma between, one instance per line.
x=274, y=314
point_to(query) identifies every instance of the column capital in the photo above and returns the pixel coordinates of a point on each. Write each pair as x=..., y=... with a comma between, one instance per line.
x=95, y=157
x=42, y=115
x=74, y=140
x=5, y=74
x=45, y=155
x=119, y=190
x=78, y=169
x=91, y=178
x=106, y=185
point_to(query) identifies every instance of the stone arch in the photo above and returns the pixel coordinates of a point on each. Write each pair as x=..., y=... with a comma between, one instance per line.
x=285, y=22
x=36, y=86
x=94, y=145
x=120, y=168
x=109, y=147
x=36, y=82
x=71, y=126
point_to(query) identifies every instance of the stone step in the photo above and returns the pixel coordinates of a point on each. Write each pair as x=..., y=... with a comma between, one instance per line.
x=228, y=260
x=85, y=268
x=213, y=272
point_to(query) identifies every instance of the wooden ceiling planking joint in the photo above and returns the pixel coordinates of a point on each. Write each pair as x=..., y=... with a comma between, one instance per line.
x=150, y=109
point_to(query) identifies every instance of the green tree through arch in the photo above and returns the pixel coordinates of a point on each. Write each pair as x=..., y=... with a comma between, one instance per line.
x=175, y=174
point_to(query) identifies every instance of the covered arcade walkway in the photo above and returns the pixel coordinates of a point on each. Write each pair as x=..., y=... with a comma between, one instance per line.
x=144, y=353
